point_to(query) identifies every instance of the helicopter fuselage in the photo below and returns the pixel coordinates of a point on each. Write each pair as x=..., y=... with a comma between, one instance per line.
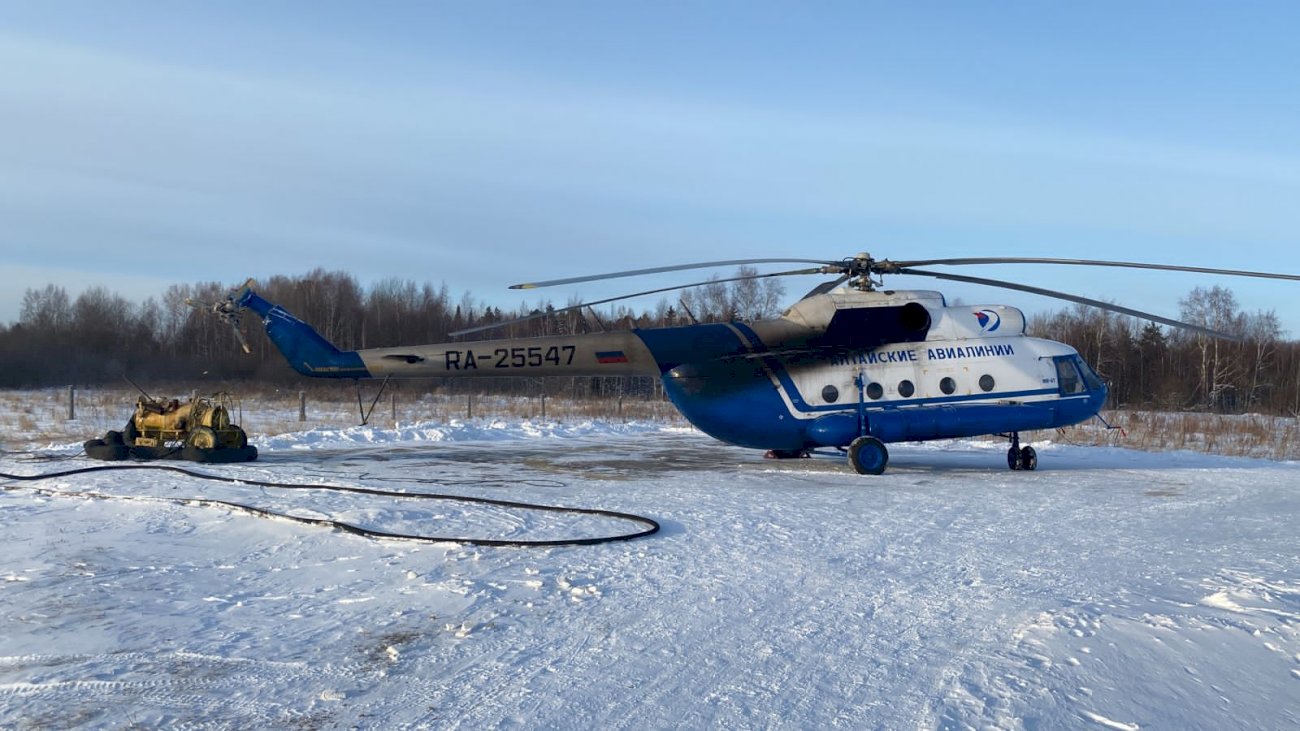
x=896, y=366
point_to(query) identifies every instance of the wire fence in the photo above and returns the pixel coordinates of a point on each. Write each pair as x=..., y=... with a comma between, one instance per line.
x=63, y=415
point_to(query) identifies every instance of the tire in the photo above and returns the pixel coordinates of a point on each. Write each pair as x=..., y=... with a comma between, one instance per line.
x=868, y=456
x=237, y=440
x=1013, y=459
x=130, y=432
x=1028, y=459
x=98, y=449
x=201, y=437
x=112, y=437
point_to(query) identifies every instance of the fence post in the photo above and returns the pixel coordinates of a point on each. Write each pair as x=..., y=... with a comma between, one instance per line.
x=72, y=402
x=469, y=406
x=393, y=397
x=543, y=406
x=302, y=406
x=620, y=407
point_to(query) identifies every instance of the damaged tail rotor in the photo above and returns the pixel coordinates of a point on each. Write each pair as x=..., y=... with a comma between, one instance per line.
x=228, y=310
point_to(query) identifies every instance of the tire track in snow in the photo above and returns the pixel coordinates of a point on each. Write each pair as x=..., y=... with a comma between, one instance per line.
x=180, y=688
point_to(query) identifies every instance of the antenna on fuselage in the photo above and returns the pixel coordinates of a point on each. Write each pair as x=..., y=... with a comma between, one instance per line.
x=592, y=311
x=687, y=308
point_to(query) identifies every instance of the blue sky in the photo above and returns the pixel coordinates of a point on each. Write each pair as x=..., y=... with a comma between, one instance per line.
x=482, y=144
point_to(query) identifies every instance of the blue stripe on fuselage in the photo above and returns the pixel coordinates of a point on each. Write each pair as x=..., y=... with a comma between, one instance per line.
x=778, y=369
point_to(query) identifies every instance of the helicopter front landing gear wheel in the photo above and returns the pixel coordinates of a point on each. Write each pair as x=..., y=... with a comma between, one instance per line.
x=1019, y=458
x=868, y=456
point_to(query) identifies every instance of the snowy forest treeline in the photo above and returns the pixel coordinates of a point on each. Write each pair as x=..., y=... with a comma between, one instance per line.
x=100, y=335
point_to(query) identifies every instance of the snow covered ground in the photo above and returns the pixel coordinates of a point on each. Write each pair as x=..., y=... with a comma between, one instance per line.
x=1111, y=589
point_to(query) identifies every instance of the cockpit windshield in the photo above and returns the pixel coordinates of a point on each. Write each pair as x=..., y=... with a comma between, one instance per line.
x=1074, y=375
x=1090, y=376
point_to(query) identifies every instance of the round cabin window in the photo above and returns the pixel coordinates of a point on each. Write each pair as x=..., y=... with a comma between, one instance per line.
x=986, y=383
x=830, y=394
x=875, y=391
x=947, y=385
x=906, y=389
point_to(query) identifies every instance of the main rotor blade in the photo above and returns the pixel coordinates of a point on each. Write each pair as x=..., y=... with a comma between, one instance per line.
x=825, y=287
x=571, y=308
x=1094, y=263
x=1072, y=298
x=675, y=268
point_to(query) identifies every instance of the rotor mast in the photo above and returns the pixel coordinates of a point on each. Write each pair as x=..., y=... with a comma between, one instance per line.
x=864, y=273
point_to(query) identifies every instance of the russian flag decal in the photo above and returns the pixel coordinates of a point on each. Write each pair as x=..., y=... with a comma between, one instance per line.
x=610, y=356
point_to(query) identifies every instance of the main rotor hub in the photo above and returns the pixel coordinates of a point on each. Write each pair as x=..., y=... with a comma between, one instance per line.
x=863, y=271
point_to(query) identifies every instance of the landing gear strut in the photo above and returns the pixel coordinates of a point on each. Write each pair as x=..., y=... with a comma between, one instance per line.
x=1021, y=458
x=867, y=454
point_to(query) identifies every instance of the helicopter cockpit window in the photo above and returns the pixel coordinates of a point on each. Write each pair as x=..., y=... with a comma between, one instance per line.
x=1090, y=376
x=830, y=394
x=1067, y=377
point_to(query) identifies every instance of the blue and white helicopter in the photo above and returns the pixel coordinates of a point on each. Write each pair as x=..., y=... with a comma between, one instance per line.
x=850, y=366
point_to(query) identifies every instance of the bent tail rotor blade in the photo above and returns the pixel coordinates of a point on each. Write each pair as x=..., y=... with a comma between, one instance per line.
x=675, y=268
x=1072, y=298
x=239, y=335
x=227, y=310
x=1094, y=263
x=537, y=315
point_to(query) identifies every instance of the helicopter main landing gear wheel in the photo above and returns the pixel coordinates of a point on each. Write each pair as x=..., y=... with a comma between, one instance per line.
x=868, y=456
x=1021, y=458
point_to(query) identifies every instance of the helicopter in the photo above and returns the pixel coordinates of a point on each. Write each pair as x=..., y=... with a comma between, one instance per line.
x=851, y=366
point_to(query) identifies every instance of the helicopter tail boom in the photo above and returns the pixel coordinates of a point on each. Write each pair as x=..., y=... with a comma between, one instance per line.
x=595, y=354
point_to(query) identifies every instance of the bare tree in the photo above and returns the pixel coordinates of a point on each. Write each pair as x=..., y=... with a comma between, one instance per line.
x=1216, y=309
x=715, y=301
x=1262, y=330
x=46, y=310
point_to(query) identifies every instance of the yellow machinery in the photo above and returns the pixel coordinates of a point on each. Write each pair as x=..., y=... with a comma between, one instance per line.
x=198, y=430
x=201, y=422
